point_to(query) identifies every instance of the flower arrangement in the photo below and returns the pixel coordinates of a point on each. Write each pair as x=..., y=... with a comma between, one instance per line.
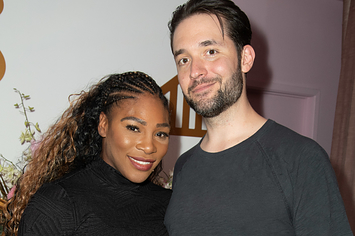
x=167, y=180
x=9, y=171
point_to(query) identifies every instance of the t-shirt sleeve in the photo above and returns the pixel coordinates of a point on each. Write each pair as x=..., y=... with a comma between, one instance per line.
x=179, y=164
x=49, y=212
x=318, y=207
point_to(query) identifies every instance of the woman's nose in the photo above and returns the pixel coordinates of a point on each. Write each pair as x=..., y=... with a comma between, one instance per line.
x=147, y=145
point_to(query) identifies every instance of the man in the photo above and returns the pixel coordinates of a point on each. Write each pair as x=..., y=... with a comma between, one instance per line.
x=248, y=175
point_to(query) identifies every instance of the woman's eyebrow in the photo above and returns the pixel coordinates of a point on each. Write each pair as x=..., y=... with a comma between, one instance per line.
x=144, y=122
x=134, y=119
x=163, y=125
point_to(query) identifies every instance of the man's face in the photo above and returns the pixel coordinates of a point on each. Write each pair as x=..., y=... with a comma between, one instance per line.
x=207, y=63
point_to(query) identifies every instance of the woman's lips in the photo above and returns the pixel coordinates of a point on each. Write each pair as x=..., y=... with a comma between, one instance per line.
x=141, y=163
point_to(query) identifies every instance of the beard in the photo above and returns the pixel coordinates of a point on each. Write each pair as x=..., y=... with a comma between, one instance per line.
x=226, y=96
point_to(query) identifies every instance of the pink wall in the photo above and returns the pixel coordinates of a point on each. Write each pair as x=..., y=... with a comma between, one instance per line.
x=298, y=51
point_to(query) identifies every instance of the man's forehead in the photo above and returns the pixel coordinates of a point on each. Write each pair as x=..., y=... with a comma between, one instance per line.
x=201, y=20
x=205, y=29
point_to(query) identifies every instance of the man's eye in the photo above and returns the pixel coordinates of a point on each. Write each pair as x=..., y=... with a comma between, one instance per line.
x=183, y=61
x=211, y=52
x=132, y=128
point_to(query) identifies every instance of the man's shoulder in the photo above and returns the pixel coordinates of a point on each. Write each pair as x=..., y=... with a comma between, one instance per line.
x=283, y=137
x=280, y=143
x=183, y=159
x=185, y=156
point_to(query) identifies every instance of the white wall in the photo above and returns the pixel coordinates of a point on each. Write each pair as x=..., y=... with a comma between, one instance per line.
x=55, y=48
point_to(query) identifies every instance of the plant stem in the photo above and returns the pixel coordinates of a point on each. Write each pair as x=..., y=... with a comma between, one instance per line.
x=14, y=165
x=28, y=126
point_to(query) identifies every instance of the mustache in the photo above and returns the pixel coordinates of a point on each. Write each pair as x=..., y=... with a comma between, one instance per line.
x=203, y=81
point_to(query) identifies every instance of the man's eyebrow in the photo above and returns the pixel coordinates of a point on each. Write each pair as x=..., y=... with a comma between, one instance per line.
x=208, y=43
x=178, y=52
x=205, y=43
x=134, y=119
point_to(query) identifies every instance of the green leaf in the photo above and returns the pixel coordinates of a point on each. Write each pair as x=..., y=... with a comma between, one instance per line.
x=26, y=97
x=27, y=124
x=28, y=136
x=16, y=105
x=37, y=127
x=31, y=109
x=22, y=138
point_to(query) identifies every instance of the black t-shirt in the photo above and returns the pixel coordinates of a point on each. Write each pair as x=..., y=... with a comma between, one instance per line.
x=276, y=183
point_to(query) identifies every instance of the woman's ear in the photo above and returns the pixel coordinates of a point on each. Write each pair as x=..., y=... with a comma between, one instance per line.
x=103, y=125
x=248, y=56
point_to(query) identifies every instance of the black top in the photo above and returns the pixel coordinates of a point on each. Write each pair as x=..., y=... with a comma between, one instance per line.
x=276, y=182
x=96, y=200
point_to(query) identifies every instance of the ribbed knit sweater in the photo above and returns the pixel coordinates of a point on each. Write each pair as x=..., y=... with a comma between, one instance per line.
x=96, y=200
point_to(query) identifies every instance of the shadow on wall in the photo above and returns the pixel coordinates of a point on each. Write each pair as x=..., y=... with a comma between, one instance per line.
x=173, y=153
x=260, y=72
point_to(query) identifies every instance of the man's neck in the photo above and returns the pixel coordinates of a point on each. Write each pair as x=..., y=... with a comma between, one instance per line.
x=231, y=127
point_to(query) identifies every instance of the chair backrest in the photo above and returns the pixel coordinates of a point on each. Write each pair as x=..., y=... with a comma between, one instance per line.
x=172, y=87
x=2, y=204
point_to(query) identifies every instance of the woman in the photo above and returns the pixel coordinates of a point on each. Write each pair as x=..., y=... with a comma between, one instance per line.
x=93, y=171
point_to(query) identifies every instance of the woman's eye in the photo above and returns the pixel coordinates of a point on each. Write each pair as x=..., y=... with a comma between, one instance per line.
x=132, y=128
x=163, y=135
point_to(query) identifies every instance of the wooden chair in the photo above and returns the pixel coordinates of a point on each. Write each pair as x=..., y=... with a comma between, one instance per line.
x=2, y=203
x=172, y=87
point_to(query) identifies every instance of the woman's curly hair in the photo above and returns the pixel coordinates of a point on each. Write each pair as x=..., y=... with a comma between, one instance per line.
x=73, y=141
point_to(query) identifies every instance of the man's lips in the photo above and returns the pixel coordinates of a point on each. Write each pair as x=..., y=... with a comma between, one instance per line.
x=201, y=87
x=141, y=163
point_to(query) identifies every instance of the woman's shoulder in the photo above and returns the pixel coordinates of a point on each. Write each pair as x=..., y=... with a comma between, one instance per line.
x=47, y=209
x=50, y=195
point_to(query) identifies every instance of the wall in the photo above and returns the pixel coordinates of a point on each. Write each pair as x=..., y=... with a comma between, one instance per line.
x=298, y=47
x=55, y=48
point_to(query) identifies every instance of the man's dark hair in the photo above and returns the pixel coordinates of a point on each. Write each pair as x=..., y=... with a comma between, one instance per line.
x=234, y=22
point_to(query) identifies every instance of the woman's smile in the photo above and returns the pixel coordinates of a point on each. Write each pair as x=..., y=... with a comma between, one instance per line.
x=141, y=163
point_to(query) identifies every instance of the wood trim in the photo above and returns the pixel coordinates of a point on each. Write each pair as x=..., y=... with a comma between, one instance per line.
x=172, y=87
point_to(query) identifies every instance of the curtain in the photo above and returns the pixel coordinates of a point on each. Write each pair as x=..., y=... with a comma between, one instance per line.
x=343, y=144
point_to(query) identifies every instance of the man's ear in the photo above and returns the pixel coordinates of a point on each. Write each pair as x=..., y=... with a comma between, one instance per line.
x=248, y=56
x=103, y=125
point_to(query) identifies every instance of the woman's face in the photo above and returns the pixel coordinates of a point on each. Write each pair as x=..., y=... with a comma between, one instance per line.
x=135, y=136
